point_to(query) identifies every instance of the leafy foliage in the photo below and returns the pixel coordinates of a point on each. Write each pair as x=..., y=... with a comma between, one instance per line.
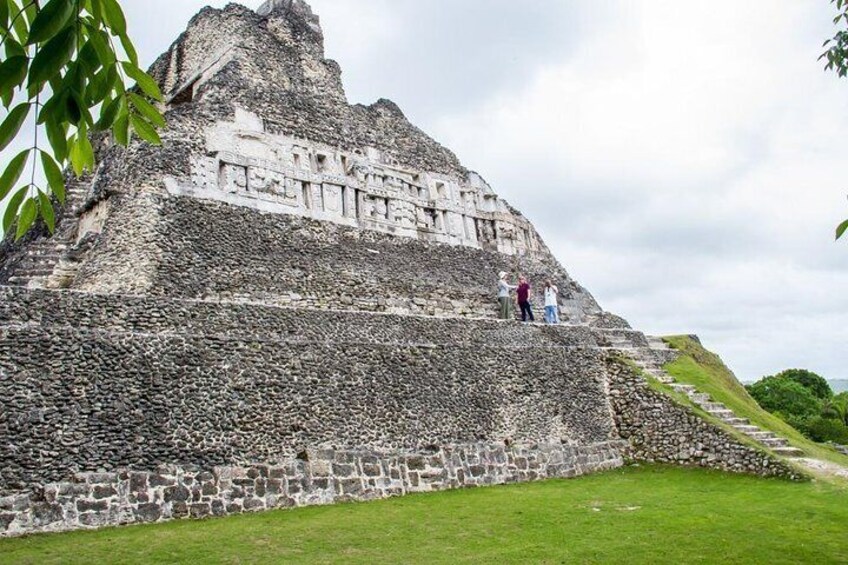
x=805, y=401
x=778, y=394
x=837, y=47
x=61, y=64
x=837, y=61
x=809, y=380
x=837, y=408
x=823, y=429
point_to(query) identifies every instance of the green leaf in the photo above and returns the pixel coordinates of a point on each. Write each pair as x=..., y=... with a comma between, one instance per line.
x=26, y=218
x=145, y=82
x=81, y=154
x=13, y=172
x=147, y=110
x=121, y=129
x=840, y=231
x=73, y=111
x=58, y=142
x=108, y=114
x=100, y=41
x=53, y=110
x=12, y=72
x=54, y=176
x=12, y=208
x=85, y=115
x=114, y=16
x=4, y=13
x=96, y=11
x=129, y=48
x=102, y=84
x=21, y=28
x=13, y=48
x=89, y=59
x=52, y=57
x=144, y=130
x=50, y=20
x=47, y=211
x=31, y=10
x=12, y=124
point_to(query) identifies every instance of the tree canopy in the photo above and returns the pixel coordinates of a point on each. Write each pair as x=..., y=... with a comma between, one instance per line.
x=816, y=384
x=789, y=398
x=61, y=66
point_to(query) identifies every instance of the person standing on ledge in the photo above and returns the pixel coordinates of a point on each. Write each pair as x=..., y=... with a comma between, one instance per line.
x=551, y=306
x=504, y=287
x=524, y=299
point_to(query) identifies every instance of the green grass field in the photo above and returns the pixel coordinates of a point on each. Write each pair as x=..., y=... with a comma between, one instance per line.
x=632, y=515
x=705, y=370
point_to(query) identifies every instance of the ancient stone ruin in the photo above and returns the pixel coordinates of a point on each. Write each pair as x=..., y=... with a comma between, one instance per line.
x=291, y=302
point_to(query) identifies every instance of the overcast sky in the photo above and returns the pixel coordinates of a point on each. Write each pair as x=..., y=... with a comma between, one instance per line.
x=685, y=160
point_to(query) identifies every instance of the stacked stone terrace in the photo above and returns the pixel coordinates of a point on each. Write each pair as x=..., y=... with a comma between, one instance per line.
x=292, y=302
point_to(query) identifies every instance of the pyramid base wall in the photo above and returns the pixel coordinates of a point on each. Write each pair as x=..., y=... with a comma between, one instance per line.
x=94, y=500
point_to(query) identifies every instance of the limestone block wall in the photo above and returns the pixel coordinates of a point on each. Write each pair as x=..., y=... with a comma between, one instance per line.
x=90, y=500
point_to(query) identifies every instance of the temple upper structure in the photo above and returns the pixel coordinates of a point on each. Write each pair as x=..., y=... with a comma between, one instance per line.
x=365, y=188
x=263, y=163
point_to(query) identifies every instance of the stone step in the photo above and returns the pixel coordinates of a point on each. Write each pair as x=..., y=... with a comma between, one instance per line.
x=746, y=428
x=761, y=435
x=775, y=442
x=788, y=451
x=724, y=415
x=685, y=388
x=713, y=406
x=738, y=421
x=701, y=397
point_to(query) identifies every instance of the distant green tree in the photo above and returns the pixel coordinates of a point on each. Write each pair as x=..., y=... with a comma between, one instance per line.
x=837, y=408
x=816, y=384
x=61, y=64
x=837, y=61
x=778, y=394
x=826, y=429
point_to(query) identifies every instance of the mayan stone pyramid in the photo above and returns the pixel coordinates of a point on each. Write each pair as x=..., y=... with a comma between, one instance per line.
x=291, y=302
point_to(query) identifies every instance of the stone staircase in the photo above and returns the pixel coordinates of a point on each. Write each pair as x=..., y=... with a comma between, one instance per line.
x=764, y=437
x=651, y=359
x=44, y=265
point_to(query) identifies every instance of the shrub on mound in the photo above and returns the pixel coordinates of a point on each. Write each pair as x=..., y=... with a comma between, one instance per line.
x=786, y=396
x=809, y=380
x=826, y=429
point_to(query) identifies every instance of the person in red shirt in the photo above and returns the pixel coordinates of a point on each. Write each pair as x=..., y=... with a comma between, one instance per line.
x=524, y=299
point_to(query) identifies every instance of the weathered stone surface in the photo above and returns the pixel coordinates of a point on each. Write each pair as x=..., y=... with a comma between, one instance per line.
x=125, y=397
x=446, y=468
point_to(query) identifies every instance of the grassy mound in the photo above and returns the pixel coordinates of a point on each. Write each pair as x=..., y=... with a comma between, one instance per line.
x=705, y=370
x=632, y=515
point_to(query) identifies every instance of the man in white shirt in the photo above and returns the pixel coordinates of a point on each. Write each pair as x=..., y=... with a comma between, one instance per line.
x=551, y=305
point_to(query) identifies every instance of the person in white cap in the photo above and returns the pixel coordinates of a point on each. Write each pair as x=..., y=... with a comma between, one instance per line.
x=503, y=296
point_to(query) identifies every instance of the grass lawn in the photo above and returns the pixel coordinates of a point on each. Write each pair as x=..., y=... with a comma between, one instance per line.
x=705, y=370
x=634, y=515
